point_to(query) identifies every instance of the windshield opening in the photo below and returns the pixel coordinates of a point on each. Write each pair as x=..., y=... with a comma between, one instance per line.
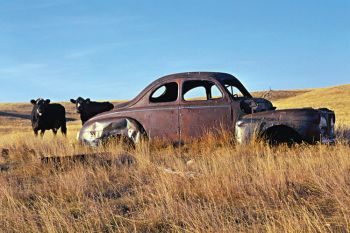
x=235, y=89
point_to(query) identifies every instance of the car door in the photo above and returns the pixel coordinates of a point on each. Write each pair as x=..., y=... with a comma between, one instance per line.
x=162, y=113
x=204, y=108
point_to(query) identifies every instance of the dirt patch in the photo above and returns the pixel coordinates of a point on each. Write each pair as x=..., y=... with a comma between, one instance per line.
x=103, y=159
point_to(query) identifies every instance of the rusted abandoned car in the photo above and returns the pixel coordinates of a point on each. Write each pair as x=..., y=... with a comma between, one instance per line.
x=184, y=106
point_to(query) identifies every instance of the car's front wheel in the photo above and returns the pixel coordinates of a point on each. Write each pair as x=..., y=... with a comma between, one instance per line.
x=281, y=134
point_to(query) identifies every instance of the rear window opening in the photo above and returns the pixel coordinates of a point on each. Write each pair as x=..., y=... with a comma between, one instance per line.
x=165, y=93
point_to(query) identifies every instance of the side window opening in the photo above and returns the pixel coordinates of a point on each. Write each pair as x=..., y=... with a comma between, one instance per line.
x=165, y=93
x=215, y=92
x=196, y=93
x=196, y=90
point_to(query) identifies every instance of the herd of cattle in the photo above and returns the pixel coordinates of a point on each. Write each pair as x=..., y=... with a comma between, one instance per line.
x=47, y=116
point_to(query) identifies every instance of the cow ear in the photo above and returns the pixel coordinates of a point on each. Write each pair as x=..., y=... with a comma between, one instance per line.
x=33, y=102
x=87, y=100
x=73, y=101
x=47, y=101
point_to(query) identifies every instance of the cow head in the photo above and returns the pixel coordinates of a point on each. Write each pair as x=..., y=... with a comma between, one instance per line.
x=40, y=105
x=80, y=103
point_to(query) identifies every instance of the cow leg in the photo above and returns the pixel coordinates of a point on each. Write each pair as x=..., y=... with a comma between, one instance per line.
x=42, y=133
x=64, y=128
x=35, y=132
x=54, y=131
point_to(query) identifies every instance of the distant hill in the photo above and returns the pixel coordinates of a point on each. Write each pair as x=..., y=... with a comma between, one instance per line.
x=15, y=116
x=336, y=98
x=274, y=95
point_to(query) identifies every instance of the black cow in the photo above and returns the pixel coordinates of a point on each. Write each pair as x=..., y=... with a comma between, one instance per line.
x=88, y=109
x=46, y=116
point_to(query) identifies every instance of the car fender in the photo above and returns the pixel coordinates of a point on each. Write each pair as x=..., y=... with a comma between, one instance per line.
x=97, y=131
x=303, y=121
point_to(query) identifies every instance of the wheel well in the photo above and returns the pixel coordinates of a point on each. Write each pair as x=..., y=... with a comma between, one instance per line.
x=279, y=134
x=142, y=129
x=124, y=135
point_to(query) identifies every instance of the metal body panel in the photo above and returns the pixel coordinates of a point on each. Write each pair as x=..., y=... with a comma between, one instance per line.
x=163, y=123
x=197, y=120
x=306, y=122
x=199, y=117
x=180, y=120
x=159, y=122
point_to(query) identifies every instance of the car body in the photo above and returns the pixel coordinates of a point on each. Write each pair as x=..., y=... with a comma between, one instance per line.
x=185, y=106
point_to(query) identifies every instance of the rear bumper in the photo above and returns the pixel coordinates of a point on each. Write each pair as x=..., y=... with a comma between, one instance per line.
x=326, y=126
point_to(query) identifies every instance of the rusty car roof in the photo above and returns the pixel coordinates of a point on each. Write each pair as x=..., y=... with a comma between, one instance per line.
x=216, y=75
x=219, y=76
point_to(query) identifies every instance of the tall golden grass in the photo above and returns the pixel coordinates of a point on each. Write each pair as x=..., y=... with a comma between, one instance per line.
x=211, y=185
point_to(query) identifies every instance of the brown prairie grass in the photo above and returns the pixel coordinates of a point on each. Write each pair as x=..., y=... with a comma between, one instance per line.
x=211, y=185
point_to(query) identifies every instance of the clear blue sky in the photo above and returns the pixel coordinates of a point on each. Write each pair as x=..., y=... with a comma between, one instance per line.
x=61, y=49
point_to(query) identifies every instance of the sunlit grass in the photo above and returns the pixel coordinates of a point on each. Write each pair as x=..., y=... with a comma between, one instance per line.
x=335, y=98
x=211, y=185
x=208, y=186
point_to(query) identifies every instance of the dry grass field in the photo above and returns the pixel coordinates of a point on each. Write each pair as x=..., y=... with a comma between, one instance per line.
x=212, y=185
x=336, y=98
